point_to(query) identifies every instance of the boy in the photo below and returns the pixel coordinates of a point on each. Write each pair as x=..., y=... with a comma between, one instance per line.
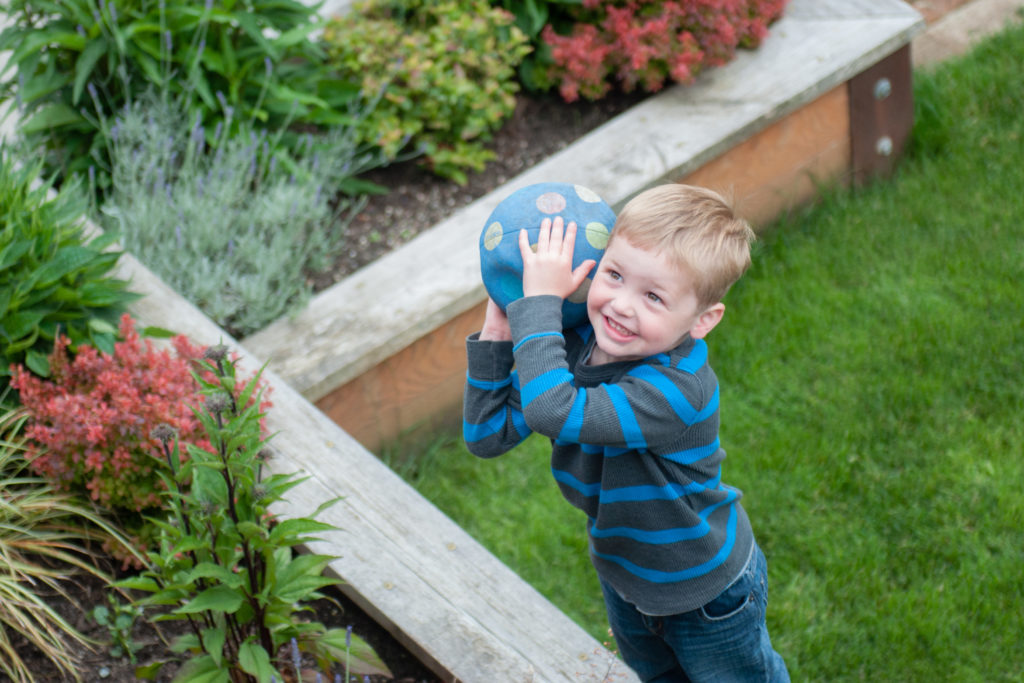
x=631, y=406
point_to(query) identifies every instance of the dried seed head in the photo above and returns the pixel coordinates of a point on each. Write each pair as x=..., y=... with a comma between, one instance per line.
x=164, y=432
x=218, y=403
x=216, y=353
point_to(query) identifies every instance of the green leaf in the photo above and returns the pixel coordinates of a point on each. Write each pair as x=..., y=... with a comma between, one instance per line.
x=216, y=599
x=101, y=326
x=254, y=660
x=13, y=252
x=156, y=332
x=67, y=260
x=84, y=66
x=291, y=531
x=202, y=669
x=209, y=570
x=38, y=363
x=49, y=117
x=213, y=643
x=20, y=324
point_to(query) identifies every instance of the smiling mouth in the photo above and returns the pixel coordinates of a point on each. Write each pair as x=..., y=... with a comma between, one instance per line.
x=618, y=329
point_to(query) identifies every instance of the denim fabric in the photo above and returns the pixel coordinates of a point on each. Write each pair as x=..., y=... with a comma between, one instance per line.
x=725, y=640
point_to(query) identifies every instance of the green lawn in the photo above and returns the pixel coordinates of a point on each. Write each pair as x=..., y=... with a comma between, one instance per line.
x=871, y=365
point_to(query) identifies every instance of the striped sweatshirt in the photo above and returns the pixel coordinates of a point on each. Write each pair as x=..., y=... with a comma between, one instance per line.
x=634, y=446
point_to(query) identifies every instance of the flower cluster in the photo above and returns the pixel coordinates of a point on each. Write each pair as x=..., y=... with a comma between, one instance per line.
x=644, y=43
x=92, y=422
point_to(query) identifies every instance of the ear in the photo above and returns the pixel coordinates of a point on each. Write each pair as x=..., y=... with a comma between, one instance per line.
x=707, y=320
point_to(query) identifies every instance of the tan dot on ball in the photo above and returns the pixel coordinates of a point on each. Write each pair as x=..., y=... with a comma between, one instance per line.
x=492, y=238
x=597, y=235
x=551, y=202
x=580, y=295
x=586, y=194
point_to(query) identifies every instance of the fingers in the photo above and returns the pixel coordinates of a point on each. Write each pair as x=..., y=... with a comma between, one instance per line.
x=579, y=274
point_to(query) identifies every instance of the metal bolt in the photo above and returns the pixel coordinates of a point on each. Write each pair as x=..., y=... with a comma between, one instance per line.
x=884, y=146
x=883, y=88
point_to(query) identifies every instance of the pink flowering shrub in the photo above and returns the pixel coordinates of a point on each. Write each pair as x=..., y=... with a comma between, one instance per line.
x=91, y=422
x=645, y=43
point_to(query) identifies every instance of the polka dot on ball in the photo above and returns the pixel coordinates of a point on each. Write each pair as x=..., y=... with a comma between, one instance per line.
x=597, y=234
x=551, y=202
x=586, y=194
x=492, y=238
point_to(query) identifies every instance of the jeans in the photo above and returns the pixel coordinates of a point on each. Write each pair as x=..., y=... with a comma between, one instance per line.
x=725, y=640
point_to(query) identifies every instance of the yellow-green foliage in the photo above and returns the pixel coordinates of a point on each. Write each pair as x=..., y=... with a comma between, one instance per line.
x=442, y=76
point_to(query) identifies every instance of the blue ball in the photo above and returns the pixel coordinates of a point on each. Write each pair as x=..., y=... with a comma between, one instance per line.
x=501, y=264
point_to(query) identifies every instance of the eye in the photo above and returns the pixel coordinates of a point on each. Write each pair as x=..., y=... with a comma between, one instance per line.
x=614, y=274
x=654, y=297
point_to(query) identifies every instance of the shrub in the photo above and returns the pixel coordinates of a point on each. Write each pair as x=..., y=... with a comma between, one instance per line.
x=75, y=63
x=224, y=563
x=44, y=537
x=89, y=428
x=229, y=222
x=441, y=75
x=645, y=43
x=52, y=276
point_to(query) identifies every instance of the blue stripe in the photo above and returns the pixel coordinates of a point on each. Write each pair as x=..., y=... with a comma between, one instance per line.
x=631, y=433
x=588, y=490
x=541, y=383
x=519, y=422
x=664, y=536
x=571, y=429
x=692, y=455
x=489, y=386
x=535, y=335
x=710, y=409
x=475, y=432
x=632, y=494
x=669, y=390
x=655, y=576
x=697, y=359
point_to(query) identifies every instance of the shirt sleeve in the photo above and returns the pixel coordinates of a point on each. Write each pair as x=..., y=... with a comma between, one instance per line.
x=653, y=406
x=492, y=420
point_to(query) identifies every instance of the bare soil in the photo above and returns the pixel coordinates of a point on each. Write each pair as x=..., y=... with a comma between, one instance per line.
x=417, y=199
x=97, y=664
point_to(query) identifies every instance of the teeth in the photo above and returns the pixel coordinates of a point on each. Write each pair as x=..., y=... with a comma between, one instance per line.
x=617, y=327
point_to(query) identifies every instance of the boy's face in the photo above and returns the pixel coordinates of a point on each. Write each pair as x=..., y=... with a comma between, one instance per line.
x=641, y=304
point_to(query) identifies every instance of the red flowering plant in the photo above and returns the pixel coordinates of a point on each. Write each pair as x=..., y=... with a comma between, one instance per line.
x=645, y=43
x=91, y=420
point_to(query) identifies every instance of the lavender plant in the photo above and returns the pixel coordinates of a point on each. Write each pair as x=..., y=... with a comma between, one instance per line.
x=232, y=222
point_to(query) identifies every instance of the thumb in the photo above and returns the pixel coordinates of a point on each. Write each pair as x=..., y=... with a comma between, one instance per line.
x=579, y=274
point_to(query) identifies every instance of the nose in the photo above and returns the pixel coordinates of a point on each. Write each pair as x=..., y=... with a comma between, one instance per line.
x=622, y=305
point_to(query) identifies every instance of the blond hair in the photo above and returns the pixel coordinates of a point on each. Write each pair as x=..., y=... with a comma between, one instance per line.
x=698, y=230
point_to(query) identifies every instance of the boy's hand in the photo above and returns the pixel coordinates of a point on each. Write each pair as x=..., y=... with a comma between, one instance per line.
x=496, y=327
x=549, y=270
